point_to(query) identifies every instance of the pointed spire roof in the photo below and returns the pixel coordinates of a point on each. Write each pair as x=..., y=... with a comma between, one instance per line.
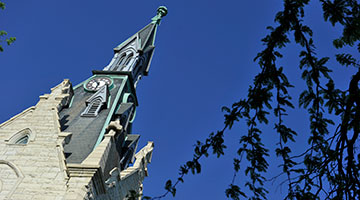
x=146, y=36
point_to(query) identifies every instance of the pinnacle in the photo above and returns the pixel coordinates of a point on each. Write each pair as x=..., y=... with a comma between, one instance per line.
x=162, y=11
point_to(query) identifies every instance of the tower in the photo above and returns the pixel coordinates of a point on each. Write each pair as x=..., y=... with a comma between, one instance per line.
x=76, y=142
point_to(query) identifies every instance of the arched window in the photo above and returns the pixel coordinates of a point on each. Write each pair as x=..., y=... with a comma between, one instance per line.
x=23, y=140
x=120, y=62
x=22, y=137
x=121, y=59
x=11, y=180
x=128, y=59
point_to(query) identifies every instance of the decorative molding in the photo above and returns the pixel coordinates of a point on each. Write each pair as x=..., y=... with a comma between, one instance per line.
x=18, y=173
x=19, y=134
x=115, y=126
x=89, y=171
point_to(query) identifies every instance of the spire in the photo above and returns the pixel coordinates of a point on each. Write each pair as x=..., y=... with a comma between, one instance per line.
x=147, y=34
x=135, y=54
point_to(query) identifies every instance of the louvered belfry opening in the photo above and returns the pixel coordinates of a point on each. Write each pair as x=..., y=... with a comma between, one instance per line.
x=93, y=108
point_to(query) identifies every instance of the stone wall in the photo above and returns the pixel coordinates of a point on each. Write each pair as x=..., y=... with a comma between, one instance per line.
x=35, y=170
x=38, y=169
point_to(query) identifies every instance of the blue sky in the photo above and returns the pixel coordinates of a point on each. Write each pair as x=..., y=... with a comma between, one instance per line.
x=203, y=61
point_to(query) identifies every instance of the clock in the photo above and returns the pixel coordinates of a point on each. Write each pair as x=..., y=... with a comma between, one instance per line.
x=97, y=82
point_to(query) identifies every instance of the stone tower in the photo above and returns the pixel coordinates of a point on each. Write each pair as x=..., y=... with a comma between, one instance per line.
x=76, y=142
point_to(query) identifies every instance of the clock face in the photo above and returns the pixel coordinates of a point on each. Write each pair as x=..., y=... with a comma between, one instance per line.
x=97, y=82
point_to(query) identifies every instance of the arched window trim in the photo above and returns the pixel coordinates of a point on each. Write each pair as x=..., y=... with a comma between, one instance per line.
x=17, y=137
x=119, y=64
x=126, y=60
x=19, y=174
x=23, y=140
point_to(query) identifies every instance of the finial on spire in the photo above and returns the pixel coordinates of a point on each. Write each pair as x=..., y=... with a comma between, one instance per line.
x=161, y=12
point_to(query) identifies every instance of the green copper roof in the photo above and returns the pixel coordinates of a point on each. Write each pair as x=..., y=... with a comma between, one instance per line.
x=146, y=35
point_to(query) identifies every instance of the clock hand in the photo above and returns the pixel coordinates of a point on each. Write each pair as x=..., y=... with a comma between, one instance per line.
x=97, y=83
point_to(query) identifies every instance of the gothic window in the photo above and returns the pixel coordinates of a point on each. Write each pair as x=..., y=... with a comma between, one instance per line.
x=23, y=140
x=120, y=62
x=121, y=59
x=22, y=137
x=128, y=59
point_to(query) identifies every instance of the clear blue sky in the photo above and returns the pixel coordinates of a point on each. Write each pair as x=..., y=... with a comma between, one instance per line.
x=203, y=61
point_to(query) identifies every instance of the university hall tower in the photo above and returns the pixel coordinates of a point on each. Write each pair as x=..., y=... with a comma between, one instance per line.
x=76, y=142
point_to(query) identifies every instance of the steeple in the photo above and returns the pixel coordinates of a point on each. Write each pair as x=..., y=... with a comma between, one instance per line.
x=77, y=142
x=110, y=94
x=135, y=54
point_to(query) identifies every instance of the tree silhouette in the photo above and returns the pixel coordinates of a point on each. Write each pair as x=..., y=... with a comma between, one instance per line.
x=330, y=165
